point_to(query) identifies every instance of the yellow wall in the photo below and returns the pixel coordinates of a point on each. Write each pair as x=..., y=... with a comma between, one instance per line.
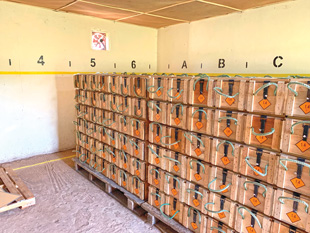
x=255, y=36
x=37, y=110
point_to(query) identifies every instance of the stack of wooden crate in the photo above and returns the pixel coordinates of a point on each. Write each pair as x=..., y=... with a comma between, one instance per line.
x=111, y=113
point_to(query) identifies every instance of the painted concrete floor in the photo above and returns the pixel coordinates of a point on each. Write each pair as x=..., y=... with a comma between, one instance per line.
x=67, y=202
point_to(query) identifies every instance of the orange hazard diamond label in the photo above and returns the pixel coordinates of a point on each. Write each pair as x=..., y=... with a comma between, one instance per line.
x=156, y=181
x=197, y=177
x=124, y=183
x=194, y=226
x=258, y=169
x=114, y=106
x=113, y=88
x=137, y=191
x=114, y=160
x=125, y=128
x=305, y=107
x=139, y=112
x=230, y=101
x=138, y=91
x=225, y=160
x=136, y=152
x=176, y=146
x=255, y=202
x=293, y=217
x=250, y=230
x=174, y=192
x=113, y=177
x=264, y=103
x=177, y=121
x=157, y=160
x=125, y=90
x=137, y=132
x=198, y=151
x=222, y=215
x=303, y=145
x=125, y=147
x=223, y=186
x=298, y=183
x=125, y=165
x=176, y=168
x=196, y=202
x=158, y=93
x=261, y=139
x=157, y=138
x=199, y=125
x=228, y=131
x=156, y=202
x=113, y=142
x=201, y=98
x=157, y=117
x=137, y=172
x=178, y=95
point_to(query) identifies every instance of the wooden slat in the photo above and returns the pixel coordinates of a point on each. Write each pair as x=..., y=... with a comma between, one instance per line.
x=9, y=184
x=21, y=185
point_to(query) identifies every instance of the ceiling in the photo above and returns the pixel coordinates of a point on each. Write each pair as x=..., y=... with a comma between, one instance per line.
x=150, y=13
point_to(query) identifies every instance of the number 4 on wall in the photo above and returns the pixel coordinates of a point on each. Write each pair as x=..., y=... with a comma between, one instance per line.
x=40, y=61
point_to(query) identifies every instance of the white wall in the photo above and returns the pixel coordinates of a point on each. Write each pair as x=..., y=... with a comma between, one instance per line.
x=36, y=102
x=255, y=36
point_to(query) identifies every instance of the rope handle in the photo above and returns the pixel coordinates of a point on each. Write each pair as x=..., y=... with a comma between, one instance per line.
x=297, y=83
x=111, y=89
x=149, y=89
x=135, y=110
x=111, y=152
x=232, y=145
x=218, y=229
x=117, y=108
x=120, y=173
x=136, y=160
x=168, y=144
x=103, y=168
x=156, y=194
x=297, y=123
x=255, y=183
x=294, y=199
x=202, y=77
x=134, y=90
x=122, y=117
x=153, y=102
x=174, y=106
x=79, y=98
x=136, y=120
x=137, y=178
x=253, y=215
x=196, y=161
x=195, y=191
x=173, y=177
x=267, y=85
x=131, y=141
x=174, y=97
x=200, y=110
x=197, y=211
x=174, y=160
x=153, y=152
x=160, y=126
x=228, y=118
x=80, y=158
x=153, y=169
x=166, y=215
x=81, y=114
x=262, y=134
x=191, y=141
x=123, y=152
x=213, y=211
x=107, y=125
x=219, y=90
x=294, y=161
x=258, y=172
x=109, y=135
x=110, y=166
x=120, y=136
x=217, y=190
x=122, y=90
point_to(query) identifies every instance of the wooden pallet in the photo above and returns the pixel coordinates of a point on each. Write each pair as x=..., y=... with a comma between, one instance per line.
x=11, y=183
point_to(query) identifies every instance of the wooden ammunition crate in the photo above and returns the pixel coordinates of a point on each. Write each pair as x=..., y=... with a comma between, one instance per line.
x=115, y=103
x=137, y=168
x=103, y=82
x=256, y=194
x=124, y=161
x=177, y=89
x=196, y=196
x=138, y=108
x=230, y=93
x=298, y=100
x=292, y=208
x=113, y=172
x=194, y=220
x=266, y=97
x=137, y=187
x=156, y=177
x=138, y=128
x=175, y=140
x=157, y=111
x=157, y=133
x=77, y=81
x=138, y=87
x=263, y=131
x=157, y=87
x=200, y=120
x=249, y=220
x=124, y=143
x=114, y=86
x=137, y=148
x=174, y=186
x=293, y=174
x=214, y=225
x=201, y=91
x=124, y=124
x=296, y=137
x=281, y=227
x=155, y=156
x=124, y=85
x=156, y=197
x=198, y=172
x=123, y=179
x=258, y=164
x=104, y=101
x=175, y=163
x=177, y=115
x=124, y=106
x=198, y=146
x=173, y=209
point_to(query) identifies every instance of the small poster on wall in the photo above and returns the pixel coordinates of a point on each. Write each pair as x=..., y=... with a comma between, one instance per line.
x=99, y=41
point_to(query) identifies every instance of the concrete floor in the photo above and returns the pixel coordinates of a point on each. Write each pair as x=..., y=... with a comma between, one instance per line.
x=67, y=202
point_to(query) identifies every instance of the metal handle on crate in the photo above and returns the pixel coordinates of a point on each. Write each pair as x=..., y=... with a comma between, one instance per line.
x=174, y=106
x=166, y=215
x=267, y=85
x=195, y=191
x=218, y=229
x=213, y=211
x=217, y=190
x=297, y=83
x=200, y=110
x=294, y=161
x=232, y=145
x=151, y=101
x=196, y=161
x=173, y=177
x=153, y=169
x=228, y=118
x=201, y=142
x=202, y=77
x=156, y=194
x=255, y=183
x=262, y=134
x=253, y=215
x=149, y=89
x=294, y=199
x=258, y=172
x=219, y=90
x=297, y=123
x=197, y=211
x=174, y=160
x=174, y=97
x=168, y=144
